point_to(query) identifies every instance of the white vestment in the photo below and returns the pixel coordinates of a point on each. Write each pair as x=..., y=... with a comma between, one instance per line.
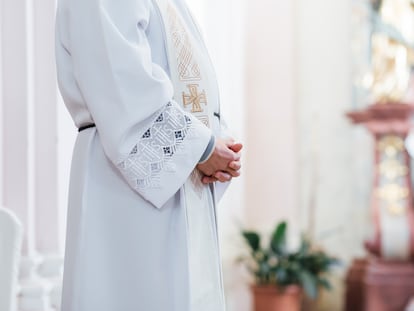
x=132, y=243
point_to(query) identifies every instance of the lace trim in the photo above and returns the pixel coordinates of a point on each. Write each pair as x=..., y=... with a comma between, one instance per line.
x=154, y=151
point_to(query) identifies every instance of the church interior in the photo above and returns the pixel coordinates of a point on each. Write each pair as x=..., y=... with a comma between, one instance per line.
x=321, y=94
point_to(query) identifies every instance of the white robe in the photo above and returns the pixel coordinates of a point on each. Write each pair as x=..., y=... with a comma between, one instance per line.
x=128, y=244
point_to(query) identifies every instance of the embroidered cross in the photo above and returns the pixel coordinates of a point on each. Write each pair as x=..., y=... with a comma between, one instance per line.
x=195, y=98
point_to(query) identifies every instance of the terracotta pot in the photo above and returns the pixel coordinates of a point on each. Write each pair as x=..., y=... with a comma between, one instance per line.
x=272, y=298
x=355, y=290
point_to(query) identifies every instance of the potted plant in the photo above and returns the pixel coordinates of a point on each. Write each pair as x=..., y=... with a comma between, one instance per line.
x=282, y=276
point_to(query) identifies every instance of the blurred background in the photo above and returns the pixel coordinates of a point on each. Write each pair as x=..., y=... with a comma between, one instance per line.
x=289, y=72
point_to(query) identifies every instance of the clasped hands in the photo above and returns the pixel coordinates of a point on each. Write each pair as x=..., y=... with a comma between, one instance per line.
x=224, y=163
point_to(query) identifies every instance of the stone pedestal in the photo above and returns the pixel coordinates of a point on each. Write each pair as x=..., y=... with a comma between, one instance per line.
x=377, y=285
x=389, y=286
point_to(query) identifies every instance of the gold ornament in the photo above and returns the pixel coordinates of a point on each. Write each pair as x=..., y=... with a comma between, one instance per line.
x=392, y=169
x=391, y=145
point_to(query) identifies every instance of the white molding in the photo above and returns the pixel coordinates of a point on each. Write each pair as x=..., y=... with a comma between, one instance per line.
x=30, y=114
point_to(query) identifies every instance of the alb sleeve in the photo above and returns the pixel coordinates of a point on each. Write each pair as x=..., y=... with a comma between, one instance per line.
x=153, y=142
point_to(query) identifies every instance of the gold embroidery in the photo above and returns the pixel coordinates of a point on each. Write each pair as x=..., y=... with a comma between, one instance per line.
x=195, y=98
x=188, y=69
x=189, y=77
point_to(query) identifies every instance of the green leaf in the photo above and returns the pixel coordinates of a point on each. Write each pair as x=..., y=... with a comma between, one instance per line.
x=309, y=284
x=253, y=239
x=281, y=275
x=324, y=283
x=278, y=242
x=304, y=247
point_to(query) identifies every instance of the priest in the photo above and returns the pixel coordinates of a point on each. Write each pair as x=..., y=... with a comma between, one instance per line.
x=137, y=80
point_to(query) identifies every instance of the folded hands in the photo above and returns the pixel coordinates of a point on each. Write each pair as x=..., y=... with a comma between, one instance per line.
x=224, y=163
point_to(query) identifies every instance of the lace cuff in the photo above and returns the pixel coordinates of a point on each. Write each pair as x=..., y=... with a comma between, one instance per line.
x=165, y=154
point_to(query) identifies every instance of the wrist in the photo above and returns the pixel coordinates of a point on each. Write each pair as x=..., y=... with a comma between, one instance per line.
x=209, y=150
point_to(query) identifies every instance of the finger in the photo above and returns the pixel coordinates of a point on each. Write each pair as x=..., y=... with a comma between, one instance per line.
x=237, y=147
x=236, y=157
x=229, y=171
x=223, y=176
x=235, y=165
x=233, y=173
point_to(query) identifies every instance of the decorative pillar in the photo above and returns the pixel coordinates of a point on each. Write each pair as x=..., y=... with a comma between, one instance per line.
x=391, y=202
x=392, y=245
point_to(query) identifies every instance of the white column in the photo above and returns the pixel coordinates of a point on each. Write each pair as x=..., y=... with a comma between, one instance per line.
x=17, y=75
x=45, y=116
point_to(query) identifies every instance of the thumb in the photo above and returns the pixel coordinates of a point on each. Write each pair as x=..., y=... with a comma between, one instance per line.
x=237, y=147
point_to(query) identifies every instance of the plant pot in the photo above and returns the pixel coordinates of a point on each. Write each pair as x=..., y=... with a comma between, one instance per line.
x=273, y=298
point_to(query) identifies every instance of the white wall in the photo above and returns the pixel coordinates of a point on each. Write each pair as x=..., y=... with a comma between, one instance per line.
x=334, y=156
x=271, y=174
x=254, y=56
x=324, y=95
x=304, y=161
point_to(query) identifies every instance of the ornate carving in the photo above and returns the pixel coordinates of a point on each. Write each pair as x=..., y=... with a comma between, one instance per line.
x=391, y=144
x=392, y=168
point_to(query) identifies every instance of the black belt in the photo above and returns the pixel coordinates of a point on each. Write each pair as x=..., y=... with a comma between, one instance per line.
x=85, y=127
x=88, y=126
